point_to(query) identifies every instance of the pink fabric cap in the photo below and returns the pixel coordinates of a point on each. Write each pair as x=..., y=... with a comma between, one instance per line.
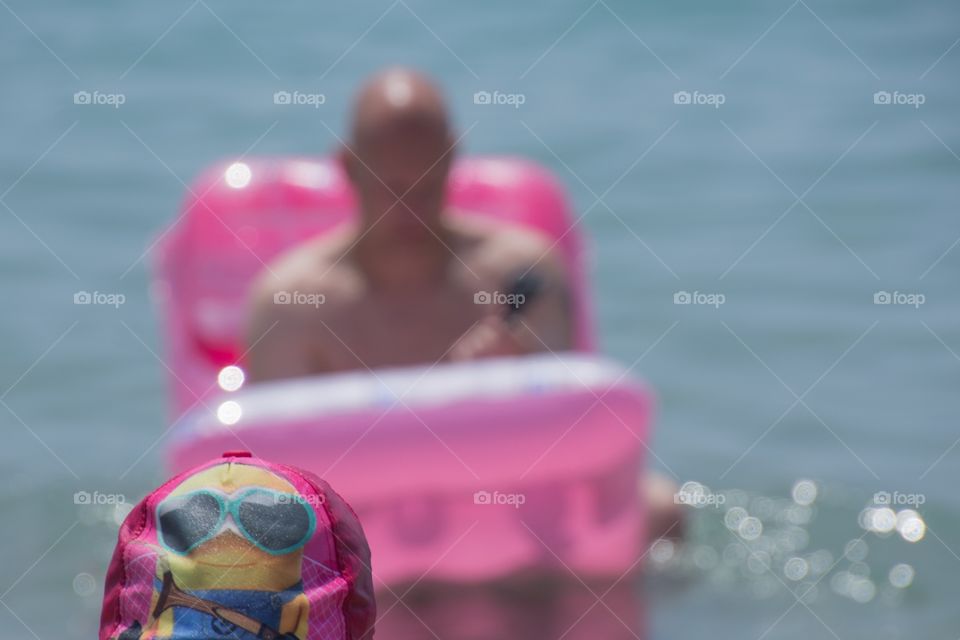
x=336, y=580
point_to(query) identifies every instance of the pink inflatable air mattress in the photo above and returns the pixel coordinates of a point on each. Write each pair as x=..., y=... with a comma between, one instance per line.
x=459, y=472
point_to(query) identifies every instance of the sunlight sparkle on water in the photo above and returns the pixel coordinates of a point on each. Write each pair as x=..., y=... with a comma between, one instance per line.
x=804, y=492
x=750, y=528
x=910, y=525
x=796, y=568
x=84, y=584
x=771, y=536
x=856, y=550
x=881, y=520
x=901, y=575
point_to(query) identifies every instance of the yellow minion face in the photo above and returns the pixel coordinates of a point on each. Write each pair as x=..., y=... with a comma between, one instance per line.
x=235, y=526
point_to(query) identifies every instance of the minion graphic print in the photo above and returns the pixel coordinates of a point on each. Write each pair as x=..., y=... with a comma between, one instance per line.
x=232, y=539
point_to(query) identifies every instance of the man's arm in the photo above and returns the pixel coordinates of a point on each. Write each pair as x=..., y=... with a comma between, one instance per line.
x=542, y=323
x=546, y=324
x=279, y=341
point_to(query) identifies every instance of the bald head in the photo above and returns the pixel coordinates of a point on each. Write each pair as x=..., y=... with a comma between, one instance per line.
x=399, y=155
x=397, y=106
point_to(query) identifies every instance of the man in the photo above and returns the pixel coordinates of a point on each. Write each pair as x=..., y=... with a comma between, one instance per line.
x=399, y=285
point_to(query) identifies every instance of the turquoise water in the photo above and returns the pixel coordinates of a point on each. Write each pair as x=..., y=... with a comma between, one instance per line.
x=696, y=198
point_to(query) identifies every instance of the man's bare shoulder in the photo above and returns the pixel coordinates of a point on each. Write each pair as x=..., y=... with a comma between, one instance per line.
x=319, y=267
x=503, y=248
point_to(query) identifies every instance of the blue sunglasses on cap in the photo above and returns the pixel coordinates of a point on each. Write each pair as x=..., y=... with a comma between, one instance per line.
x=274, y=521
